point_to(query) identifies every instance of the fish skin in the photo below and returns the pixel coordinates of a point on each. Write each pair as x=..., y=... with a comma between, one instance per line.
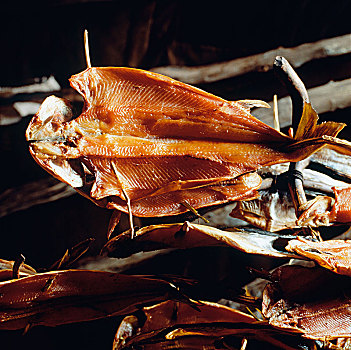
x=189, y=235
x=131, y=114
x=335, y=255
x=341, y=211
x=68, y=296
x=324, y=210
x=328, y=319
x=199, y=197
x=169, y=314
x=313, y=301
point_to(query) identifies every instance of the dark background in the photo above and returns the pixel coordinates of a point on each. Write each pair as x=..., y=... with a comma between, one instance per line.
x=42, y=38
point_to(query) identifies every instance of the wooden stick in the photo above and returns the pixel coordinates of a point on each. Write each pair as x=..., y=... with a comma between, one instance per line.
x=86, y=48
x=275, y=113
x=326, y=98
x=297, y=56
x=130, y=214
x=295, y=86
x=299, y=97
x=243, y=344
x=127, y=199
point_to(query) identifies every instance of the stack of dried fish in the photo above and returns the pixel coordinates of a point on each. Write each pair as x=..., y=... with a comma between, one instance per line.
x=151, y=146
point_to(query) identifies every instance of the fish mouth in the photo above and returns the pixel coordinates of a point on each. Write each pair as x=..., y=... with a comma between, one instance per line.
x=50, y=122
x=50, y=144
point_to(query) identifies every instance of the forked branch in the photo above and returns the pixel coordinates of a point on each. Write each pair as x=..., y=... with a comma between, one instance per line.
x=299, y=97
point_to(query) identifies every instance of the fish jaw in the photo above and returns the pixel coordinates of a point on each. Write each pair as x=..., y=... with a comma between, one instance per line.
x=49, y=122
x=50, y=143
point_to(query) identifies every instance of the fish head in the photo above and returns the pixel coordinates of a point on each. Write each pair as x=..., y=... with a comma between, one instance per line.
x=52, y=142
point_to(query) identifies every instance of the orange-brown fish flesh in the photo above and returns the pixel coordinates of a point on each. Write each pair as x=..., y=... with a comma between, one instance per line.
x=157, y=142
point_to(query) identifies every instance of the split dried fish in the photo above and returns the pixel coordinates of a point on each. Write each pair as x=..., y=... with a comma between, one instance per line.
x=67, y=296
x=172, y=325
x=324, y=210
x=309, y=300
x=333, y=162
x=155, y=142
x=334, y=255
x=168, y=314
x=273, y=210
x=189, y=235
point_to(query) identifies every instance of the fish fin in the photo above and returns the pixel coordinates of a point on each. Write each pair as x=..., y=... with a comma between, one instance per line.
x=139, y=103
x=61, y=169
x=248, y=104
x=106, y=183
x=114, y=220
x=241, y=188
x=152, y=176
x=308, y=127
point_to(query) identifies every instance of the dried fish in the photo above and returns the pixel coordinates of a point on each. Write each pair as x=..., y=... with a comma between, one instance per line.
x=333, y=162
x=189, y=235
x=168, y=314
x=156, y=142
x=316, y=318
x=67, y=296
x=309, y=300
x=271, y=211
x=178, y=326
x=324, y=210
x=334, y=255
x=341, y=211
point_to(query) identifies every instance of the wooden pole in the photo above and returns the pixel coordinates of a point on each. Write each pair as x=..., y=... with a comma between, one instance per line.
x=297, y=56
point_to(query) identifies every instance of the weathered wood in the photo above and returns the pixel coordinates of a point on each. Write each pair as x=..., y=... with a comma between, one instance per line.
x=33, y=193
x=299, y=98
x=40, y=85
x=325, y=98
x=297, y=56
x=9, y=115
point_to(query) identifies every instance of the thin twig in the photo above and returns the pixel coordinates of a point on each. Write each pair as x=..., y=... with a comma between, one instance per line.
x=127, y=199
x=86, y=49
x=130, y=214
x=27, y=328
x=243, y=344
x=275, y=113
x=194, y=211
